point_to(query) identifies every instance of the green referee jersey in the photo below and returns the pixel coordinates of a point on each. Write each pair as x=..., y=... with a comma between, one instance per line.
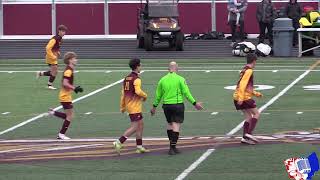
x=172, y=88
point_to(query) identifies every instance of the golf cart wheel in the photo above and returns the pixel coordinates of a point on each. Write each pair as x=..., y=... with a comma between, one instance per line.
x=179, y=41
x=148, y=41
x=140, y=42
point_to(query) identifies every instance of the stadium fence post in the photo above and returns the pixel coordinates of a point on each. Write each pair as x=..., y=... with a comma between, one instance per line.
x=1, y=18
x=213, y=16
x=106, y=17
x=53, y=17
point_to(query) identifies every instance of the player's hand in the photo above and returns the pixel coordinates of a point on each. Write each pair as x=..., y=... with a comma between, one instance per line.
x=58, y=54
x=153, y=111
x=240, y=103
x=198, y=106
x=144, y=99
x=122, y=110
x=258, y=94
x=78, y=89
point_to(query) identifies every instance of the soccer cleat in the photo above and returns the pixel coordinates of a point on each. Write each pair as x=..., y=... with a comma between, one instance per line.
x=38, y=74
x=247, y=141
x=176, y=150
x=171, y=152
x=51, y=112
x=117, y=146
x=141, y=150
x=251, y=137
x=63, y=137
x=51, y=88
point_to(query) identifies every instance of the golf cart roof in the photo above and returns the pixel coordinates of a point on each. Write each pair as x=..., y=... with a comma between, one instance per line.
x=163, y=10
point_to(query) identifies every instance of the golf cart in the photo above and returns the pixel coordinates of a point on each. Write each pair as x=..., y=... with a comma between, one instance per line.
x=158, y=22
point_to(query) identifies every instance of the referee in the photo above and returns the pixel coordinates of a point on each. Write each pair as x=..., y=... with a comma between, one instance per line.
x=173, y=88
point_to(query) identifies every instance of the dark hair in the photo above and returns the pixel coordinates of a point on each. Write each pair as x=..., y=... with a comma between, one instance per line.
x=62, y=28
x=251, y=57
x=68, y=56
x=134, y=63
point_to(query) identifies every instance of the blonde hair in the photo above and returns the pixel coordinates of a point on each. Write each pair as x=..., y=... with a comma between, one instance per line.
x=67, y=56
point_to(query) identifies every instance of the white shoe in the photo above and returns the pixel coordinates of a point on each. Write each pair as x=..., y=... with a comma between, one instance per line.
x=51, y=111
x=247, y=141
x=51, y=88
x=251, y=137
x=38, y=74
x=63, y=137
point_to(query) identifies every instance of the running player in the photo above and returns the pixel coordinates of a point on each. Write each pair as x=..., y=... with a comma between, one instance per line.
x=132, y=97
x=243, y=100
x=65, y=95
x=52, y=55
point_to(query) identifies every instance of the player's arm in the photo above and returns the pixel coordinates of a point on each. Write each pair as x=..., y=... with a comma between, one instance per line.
x=138, y=90
x=49, y=49
x=243, y=84
x=66, y=82
x=159, y=94
x=186, y=93
x=157, y=99
x=122, y=103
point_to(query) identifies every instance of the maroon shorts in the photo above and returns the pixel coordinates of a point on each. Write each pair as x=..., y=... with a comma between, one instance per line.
x=248, y=104
x=66, y=105
x=136, y=117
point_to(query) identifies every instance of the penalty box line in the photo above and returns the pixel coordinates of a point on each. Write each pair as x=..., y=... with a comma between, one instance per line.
x=206, y=154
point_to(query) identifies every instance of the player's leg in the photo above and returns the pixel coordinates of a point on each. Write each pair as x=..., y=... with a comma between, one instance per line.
x=255, y=117
x=54, y=72
x=139, y=132
x=177, y=120
x=58, y=114
x=131, y=130
x=68, y=108
x=246, y=125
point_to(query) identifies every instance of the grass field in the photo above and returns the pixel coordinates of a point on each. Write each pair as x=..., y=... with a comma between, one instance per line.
x=287, y=106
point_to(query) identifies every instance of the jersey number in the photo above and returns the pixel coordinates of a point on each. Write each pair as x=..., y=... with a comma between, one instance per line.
x=127, y=86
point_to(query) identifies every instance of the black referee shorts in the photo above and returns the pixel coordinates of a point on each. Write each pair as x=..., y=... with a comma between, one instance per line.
x=174, y=112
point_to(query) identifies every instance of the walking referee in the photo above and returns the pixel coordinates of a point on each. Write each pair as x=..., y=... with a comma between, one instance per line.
x=173, y=88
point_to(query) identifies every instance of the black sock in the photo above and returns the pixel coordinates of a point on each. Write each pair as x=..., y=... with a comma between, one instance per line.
x=175, y=137
x=65, y=126
x=47, y=73
x=51, y=79
x=169, y=133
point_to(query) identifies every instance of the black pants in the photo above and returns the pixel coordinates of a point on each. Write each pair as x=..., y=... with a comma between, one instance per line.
x=263, y=26
x=296, y=25
x=233, y=25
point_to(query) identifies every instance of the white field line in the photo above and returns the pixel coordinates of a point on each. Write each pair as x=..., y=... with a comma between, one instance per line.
x=5, y=113
x=59, y=107
x=205, y=155
x=14, y=150
x=162, y=70
x=71, y=147
x=194, y=165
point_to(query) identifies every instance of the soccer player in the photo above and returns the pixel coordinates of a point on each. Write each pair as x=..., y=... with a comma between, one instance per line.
x=172, y=88
x=52, y=55
x=131, y=100
x=243, y=100
x=65, y=95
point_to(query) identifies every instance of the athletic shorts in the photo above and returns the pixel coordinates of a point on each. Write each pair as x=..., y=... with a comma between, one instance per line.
x=247, y=104
x=174, y=112
x=136, y=117
x=66, y=105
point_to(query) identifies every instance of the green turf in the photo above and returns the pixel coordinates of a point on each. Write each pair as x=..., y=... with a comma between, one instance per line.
x=25, y=98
